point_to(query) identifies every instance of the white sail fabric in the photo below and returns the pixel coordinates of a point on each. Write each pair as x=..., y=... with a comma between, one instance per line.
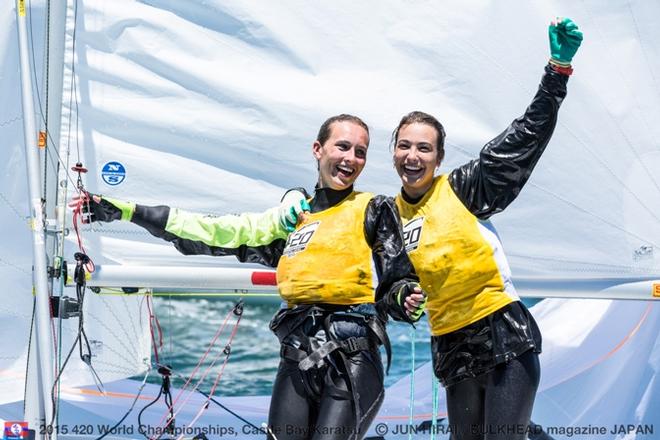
x=213, y=107
x=15, y=252
x=599, y=371
x=117, y=327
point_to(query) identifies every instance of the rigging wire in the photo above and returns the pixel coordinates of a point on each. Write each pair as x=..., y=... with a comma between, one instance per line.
x=130, y=409
x=31, y=49
x=35, y=82
x=164, y=370
x=170, y=427
x=434, y=391
x=27, y=363
x=211, y=399
x=411, y=419
x=170, y=324
x=137, y=396
x=43, y=115
x=236, y=310
x=58, y=349
x=79, y=205
x=49, y=152
x=73, y=83
x=81, y=338
x=153, y=320
x=226, y=351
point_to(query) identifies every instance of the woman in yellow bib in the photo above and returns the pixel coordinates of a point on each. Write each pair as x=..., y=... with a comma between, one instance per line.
x=485, y=344
x=350, y=245
x=340, y=270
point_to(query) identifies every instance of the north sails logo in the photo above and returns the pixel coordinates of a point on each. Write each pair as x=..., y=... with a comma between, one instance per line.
x=298, y=241
x=113, y=173
x=412, y=232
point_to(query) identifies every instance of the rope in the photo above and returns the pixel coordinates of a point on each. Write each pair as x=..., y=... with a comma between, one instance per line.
x=137, y=396
x=412, y=381
x=226, y=351
x=77, y=205
x=434, y=419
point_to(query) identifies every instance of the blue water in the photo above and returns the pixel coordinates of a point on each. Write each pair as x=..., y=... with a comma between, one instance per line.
x=188, y=326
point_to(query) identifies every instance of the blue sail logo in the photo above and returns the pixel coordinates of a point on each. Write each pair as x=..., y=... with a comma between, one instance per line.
x=113, y=173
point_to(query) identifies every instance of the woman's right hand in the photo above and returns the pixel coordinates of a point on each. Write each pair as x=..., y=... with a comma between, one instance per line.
x=95, y=208
x=412, y=298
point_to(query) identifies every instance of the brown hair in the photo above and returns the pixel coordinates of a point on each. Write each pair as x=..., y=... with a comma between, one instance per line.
x=422, y=118
x=324, y=131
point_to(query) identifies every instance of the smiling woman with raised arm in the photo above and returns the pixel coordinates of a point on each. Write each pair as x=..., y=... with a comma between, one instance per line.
x=485, y=343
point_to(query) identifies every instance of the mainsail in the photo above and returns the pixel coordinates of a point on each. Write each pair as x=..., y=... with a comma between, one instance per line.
x=212, y=107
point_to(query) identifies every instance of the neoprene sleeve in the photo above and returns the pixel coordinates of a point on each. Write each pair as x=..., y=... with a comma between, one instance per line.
x=251, y=237
x=490, y=183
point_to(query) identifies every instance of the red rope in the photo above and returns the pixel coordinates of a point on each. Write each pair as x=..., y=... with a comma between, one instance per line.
x=83, y=199
x=203, y=375
x=227, y=353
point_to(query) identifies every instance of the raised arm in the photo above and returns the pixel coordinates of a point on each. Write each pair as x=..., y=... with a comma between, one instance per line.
x=490, y=183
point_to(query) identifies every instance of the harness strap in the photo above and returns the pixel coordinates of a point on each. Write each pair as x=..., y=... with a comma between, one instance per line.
x=288, y=320
x=348, y=346
x=378, y=329
x=291, y=353
x=294, y=318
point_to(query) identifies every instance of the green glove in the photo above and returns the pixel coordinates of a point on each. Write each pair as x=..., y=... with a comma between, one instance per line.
x=565, y=39
x=293, y=204
x=404, y=292
x=105, y=209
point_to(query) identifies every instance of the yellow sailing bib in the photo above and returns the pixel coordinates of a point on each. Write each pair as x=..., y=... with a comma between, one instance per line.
x=327, y=258
x=458, y=258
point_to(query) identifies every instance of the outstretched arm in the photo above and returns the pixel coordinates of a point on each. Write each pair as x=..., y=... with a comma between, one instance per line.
x=251, y=237
x=490, y=183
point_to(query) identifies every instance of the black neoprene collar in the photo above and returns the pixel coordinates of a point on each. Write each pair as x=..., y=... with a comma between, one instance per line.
x=325, y=198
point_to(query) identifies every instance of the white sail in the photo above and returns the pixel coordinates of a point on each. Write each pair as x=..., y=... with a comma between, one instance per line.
x=117, y=329
x=213, y=107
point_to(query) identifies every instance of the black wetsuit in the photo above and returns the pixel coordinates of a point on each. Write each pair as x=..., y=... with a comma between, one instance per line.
x=340, y=398
x=329, y=383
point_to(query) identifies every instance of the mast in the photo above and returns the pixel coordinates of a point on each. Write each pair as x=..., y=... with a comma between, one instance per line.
x=43, y=332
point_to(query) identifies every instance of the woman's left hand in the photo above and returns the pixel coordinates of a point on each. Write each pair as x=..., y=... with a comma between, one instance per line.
x=293, y=206
x=565, y=39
